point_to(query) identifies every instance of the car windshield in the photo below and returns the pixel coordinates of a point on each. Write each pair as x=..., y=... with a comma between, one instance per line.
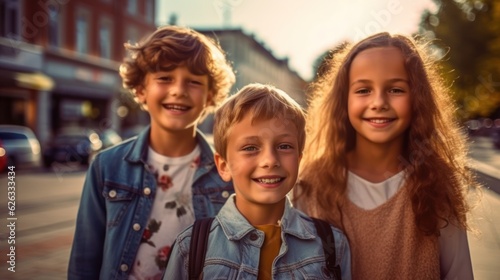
x=12, y=136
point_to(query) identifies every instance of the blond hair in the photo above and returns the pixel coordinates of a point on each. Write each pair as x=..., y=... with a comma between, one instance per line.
x=264, y=102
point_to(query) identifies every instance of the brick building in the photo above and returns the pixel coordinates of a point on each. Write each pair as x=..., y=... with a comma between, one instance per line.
x=254, y=63
x=59, y=61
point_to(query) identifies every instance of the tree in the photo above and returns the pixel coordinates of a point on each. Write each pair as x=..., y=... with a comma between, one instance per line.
x=468, y=32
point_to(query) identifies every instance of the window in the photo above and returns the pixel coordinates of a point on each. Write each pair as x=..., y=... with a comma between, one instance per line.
x=12, y=136
x=132, y=35
x=82, y=32
x=10, y=19
x=132, y=7
x=54, y=19
x=149, y=14
x=105, y=39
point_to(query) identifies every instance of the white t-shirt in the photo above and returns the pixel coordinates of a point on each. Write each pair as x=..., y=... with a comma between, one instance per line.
x=172, y=211
x=453, y=245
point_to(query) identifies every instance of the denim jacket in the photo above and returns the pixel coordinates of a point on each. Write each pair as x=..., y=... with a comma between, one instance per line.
x=233, y=249
x=116, y=202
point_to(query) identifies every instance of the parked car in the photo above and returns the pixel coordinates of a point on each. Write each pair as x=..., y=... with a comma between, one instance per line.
x=495, y=137
x=3, y=158
x=77, y=146
x=21, y=146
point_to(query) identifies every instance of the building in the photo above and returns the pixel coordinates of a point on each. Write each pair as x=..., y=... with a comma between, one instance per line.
x=59, y=62
x=254, y=63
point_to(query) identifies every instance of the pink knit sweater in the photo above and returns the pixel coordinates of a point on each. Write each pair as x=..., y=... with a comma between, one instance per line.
x=386, y=244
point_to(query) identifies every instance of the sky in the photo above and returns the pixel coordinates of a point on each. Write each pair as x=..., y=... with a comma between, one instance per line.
x=301, y=30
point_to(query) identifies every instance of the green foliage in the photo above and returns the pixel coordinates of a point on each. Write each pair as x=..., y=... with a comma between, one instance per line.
x=468, y=31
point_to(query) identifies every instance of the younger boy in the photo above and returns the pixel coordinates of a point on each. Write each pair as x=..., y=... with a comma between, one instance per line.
x=140, y=194
x=259, y=137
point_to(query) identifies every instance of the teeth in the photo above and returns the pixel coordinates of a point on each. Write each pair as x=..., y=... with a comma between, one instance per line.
x=176, y=107
x=380, y=121
x=269, y=181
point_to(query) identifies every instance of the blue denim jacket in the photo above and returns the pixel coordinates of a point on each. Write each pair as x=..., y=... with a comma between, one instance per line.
x=233, y=249
x=117, y=198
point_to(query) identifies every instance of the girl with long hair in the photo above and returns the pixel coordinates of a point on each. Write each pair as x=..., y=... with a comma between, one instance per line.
x=385, y=161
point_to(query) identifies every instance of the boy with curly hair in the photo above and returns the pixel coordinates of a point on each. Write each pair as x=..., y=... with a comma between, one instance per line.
x=140, y=194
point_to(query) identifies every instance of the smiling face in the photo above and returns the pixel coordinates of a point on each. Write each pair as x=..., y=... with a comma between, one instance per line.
x=175, y=99
x=379, y=106
x=262, y=159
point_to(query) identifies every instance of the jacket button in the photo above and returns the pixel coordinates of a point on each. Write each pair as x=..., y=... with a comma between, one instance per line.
x=112, y=193
x=254, y=236
x=123, y=267
x=225, y=194
x=147, y=191
x=136, y=227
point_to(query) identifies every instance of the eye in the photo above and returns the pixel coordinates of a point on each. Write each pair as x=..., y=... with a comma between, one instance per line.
x=362, y=91
x=285, y=147
x=249, y=148
x=196, y=82
x=396, y=90
x=164, y=79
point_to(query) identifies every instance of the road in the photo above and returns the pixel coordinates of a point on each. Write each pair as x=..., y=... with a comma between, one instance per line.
x=47, y=203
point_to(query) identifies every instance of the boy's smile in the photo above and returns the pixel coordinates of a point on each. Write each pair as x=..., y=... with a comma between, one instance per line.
x=262, y=160
x=175, y=98
x=269, y=181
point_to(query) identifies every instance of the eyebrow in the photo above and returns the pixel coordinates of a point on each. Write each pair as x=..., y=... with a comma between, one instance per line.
x=258, y=138
x=366, y=81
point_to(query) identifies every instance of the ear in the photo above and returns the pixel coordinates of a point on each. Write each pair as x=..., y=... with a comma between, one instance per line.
x=140, y=94
x=210, y=98
x=222, y=167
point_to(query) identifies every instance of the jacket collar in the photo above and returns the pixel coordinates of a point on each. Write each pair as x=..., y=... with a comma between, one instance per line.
x=138, y=152
x=235, y=226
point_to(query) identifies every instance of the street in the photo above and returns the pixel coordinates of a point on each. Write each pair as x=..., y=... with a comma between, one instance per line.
x=45, y=207
x=46, y=203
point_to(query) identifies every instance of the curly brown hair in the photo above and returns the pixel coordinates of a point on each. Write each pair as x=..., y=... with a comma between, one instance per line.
x=172, y=46
x=434, y=154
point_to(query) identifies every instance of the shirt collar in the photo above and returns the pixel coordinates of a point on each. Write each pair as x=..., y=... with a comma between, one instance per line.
x=235, y=226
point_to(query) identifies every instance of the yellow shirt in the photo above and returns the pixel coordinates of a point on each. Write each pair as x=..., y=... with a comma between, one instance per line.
x=270, y=250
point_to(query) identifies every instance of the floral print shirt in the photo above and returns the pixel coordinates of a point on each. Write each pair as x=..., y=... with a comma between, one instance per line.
x=172, y=211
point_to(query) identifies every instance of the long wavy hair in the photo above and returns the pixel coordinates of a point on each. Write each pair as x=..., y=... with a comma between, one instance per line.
x=434, y=153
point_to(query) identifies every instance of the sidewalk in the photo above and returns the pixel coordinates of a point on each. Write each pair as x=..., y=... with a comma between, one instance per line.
x=485, y=246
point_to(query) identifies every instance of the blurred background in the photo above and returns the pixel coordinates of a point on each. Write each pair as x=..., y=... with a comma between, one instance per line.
x=59, y=58
x=62, y=101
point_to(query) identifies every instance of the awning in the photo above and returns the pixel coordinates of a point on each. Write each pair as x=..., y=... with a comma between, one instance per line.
x=27, y=80
x=36, y=81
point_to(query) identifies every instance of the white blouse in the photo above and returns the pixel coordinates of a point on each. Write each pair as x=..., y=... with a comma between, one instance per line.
x=453, y=245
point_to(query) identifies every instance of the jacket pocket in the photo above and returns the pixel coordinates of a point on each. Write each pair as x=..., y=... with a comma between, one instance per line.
x=119, y=198
x=208, y=201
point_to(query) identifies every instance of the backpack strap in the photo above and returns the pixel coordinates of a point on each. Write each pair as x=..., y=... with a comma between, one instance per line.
x=198, y=246
x=328, y=240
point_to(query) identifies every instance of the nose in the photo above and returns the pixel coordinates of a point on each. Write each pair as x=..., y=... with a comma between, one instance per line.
x=270, y=158
x=379, y=101
x=178, y=89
